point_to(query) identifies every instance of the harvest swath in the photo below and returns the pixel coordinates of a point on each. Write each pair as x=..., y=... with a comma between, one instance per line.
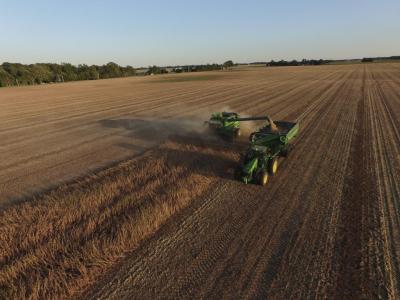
x=134, y=201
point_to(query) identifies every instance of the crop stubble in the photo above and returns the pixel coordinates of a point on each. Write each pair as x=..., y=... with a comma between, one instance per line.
x=171, y=221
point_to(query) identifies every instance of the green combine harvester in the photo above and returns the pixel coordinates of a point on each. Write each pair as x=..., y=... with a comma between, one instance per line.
x=267, y=145
x=227, y=124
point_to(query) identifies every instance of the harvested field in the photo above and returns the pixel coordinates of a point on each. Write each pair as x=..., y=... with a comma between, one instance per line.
x=133, y=200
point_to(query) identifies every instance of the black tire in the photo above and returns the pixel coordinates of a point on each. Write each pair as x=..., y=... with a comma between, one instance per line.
x=251, y=137
x=263, y=178
x=286, y=151
x=228, y=137
x=238, y=133
x=273, y=166
x=238, y=173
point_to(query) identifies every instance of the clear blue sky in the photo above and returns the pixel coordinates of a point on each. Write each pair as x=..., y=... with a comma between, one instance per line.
x=170, y=32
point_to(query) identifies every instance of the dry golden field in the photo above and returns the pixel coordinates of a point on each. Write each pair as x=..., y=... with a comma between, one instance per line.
x=112, y=189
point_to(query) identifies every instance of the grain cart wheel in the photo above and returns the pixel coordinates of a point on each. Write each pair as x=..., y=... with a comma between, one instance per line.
x=263, y=178
x=273, y=166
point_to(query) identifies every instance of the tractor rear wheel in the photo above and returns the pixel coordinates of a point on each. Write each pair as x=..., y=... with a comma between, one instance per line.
x=263, y=178
x=273, y=166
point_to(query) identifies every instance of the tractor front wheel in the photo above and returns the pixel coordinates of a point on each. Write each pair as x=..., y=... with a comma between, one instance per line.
x=263, y=178
x=285, y=152
x=273, y=166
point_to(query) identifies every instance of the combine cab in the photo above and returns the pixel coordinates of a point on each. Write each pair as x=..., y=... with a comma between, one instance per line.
x=267, y=145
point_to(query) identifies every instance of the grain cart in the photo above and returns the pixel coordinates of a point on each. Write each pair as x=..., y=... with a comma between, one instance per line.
x=267, y=145
x=227, y=124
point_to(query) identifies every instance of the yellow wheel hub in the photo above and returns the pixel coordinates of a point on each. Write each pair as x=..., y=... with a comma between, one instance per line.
x=275, y=167
x=264, y=179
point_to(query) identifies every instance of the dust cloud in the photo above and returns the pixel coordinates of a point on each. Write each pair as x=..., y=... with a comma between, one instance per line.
x=155, y=129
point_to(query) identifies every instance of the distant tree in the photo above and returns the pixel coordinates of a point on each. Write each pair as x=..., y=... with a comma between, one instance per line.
x=56, y=71
x=41, y=73
x=24, y=75
x=69, y=72
x=128, y=71
x=367, y=59
x=5, y=78
x=156, y=70
x=93, y=73
x=110, y=70
x=228, y=64
x=11, y=69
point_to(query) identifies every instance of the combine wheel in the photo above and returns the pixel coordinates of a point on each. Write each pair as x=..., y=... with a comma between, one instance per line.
x=238, y=133
x=273, y=166
x=238, y=173
x=263, y=178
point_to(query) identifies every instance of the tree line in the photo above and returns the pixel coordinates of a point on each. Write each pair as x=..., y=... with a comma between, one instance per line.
x=381, y=58
x=304, y=62
x=181, y=69
x=198, y=68
x=15, y=74
x=12, y=74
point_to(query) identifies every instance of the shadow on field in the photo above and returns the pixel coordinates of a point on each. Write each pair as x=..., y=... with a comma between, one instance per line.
x=211, y=158
x=184, y=142
x=180, y=141
x=184, y=131
x=206, y=164
x=156, y=129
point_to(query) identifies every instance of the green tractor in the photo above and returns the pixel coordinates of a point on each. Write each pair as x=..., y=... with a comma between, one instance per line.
x=267, y=145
